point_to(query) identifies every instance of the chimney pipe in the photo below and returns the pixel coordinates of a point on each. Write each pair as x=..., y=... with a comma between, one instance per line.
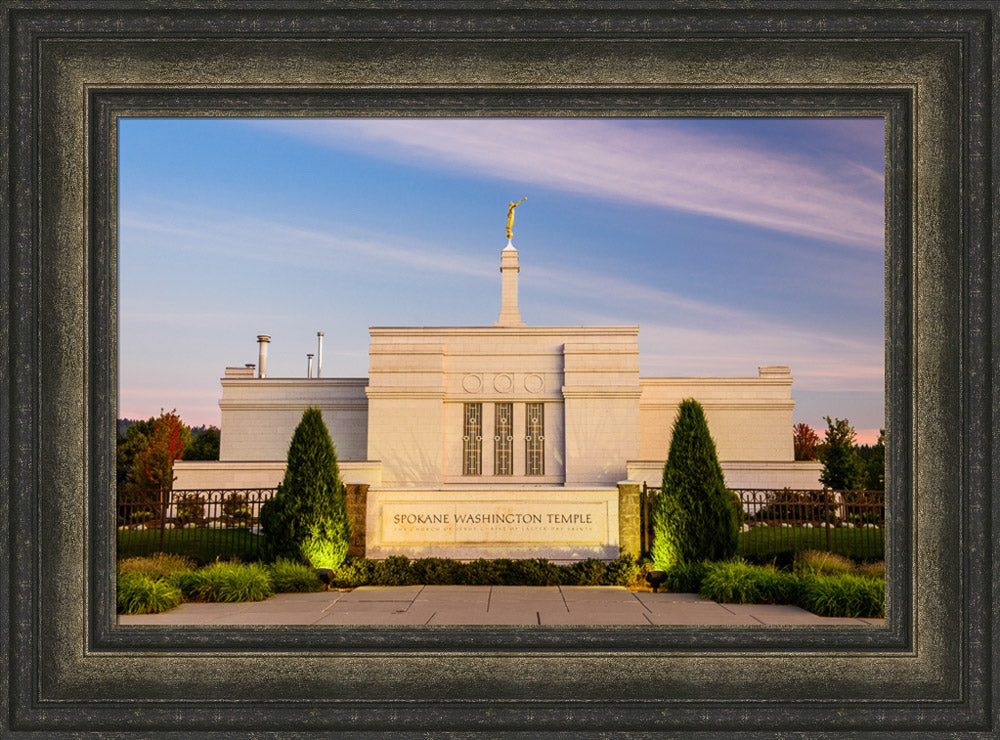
x=263, y=340
x=309, y=365
x=319, y=354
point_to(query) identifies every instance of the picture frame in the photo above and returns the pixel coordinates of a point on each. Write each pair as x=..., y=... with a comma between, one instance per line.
x=70, y=69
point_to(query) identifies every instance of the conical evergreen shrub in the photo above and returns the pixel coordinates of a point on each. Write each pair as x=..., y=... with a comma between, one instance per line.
x=306, y=520
x=696, y=517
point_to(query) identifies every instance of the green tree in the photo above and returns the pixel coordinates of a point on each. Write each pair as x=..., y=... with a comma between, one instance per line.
x=130, y=444
x=873, y=461
x=696, y=518
x=204, y=445
x=842, y=469
x=306, y=520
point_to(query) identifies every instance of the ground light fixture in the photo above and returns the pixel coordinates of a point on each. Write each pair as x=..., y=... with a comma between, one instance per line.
x=655, y=578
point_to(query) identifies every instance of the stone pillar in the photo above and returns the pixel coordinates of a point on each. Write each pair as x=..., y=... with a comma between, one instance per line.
x=357, y=506
x=629, y=539
x=510, y=314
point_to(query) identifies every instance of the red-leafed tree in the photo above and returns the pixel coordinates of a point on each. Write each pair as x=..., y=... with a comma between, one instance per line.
x=153, y=470
x=805, y=441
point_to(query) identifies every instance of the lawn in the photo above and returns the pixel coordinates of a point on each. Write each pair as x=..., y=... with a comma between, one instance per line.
x=202, y=545
x=857, y=543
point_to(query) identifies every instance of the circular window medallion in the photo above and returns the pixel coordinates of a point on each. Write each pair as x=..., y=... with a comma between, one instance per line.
x=472, y=383
x=503, y=383
x=533, y=383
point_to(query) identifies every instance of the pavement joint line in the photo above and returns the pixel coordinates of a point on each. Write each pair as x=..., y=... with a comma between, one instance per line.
x=563, y=594
x=489, y=600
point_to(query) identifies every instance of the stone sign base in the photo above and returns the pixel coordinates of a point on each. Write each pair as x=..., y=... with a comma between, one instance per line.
x=559, y=524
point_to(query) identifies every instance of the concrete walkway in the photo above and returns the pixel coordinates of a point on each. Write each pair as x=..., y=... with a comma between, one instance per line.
x=488, y=605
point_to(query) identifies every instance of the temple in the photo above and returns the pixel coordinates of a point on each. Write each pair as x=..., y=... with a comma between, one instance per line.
x=509, y=440
x=503, y=405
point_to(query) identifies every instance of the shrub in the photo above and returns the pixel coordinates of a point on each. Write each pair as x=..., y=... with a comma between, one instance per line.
x=696, y=517
x=400, y=571
x=789, y=505
x=843, y=596
x=158, y=566
x=140, y=594
x=437, y=571
x=622, y=571
x=306, y=520
x=393, y=571
x=235, y=510
x=354, y=572
x=288, y=576
x=827, y=563
x=871, y=570
x=190, y=508
x=233, y=582
x=736, y=582
x=684, y=578
x=589, y=572
x=190, y=583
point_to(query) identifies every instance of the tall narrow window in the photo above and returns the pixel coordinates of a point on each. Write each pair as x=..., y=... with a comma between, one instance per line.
x=534, y=439
x=472, y=457
x=503, y=439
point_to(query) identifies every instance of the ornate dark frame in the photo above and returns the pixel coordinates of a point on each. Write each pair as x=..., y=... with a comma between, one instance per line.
x=69, y=69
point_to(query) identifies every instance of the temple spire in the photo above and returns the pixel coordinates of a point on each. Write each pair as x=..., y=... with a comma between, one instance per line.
x=510, y=315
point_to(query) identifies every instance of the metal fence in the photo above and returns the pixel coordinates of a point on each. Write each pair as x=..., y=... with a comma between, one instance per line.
x=218, y=521
x=776, y=520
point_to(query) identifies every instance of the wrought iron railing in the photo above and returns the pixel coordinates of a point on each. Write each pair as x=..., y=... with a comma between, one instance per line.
x=223, y=522
x=781, y=520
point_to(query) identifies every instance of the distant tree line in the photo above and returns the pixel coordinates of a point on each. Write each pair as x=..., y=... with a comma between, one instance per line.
x=846, y=465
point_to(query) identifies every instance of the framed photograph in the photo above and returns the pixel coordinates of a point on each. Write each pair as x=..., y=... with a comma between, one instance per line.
x=74, y=71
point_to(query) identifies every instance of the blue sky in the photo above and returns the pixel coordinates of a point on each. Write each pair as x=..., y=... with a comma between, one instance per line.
x=731, y=242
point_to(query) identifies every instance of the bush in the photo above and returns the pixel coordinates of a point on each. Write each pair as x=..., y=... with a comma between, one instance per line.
x=788, y=505
x=190, y=508
x=397, y=570
x=589, y=572
x=306, y=520
x=826, y=563
x=288, y=576
x=736, y=582
x=696, y=516
x=843, y=596
x=871, y=570
x=158, y=566
x=235, y=510
x=685, y=578
x=233, y=582
x=622, y=571
x=354, y=572
x=190, y=583
x=140, y=594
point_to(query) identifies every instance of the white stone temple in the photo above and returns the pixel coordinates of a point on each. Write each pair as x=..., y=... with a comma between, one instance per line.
x=512, y=412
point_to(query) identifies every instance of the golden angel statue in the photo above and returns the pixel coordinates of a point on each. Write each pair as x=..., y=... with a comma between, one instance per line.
x=510, y=218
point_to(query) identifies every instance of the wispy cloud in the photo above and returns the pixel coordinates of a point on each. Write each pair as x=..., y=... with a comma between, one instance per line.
x=241, y=237
x=700, y=337
x=668, y=167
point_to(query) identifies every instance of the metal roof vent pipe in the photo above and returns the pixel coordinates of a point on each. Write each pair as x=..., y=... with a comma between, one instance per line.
x=319, y=353
x=309, y=365
x=263, y=340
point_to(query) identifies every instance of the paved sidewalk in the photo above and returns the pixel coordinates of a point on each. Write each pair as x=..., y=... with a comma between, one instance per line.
x=488, y=605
